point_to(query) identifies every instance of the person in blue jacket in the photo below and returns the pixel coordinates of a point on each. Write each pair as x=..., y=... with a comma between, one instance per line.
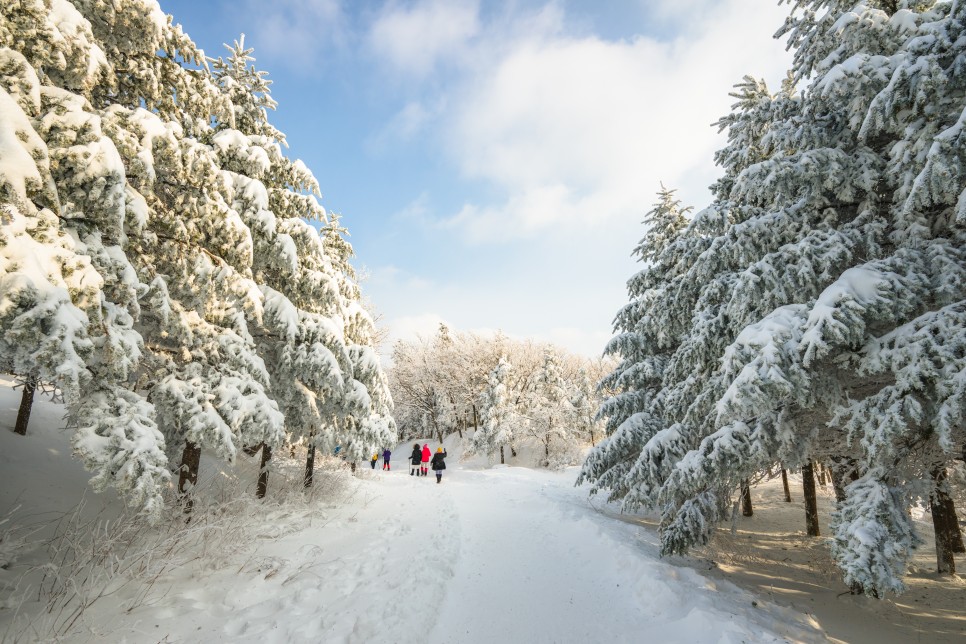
x=385, y=458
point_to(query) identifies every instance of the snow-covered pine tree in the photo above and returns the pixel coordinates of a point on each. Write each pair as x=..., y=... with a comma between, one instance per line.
x=316, y=337
x=368, y=417
x=50, y=60
x=829, y=299
x=188, y=247
x=647, y=329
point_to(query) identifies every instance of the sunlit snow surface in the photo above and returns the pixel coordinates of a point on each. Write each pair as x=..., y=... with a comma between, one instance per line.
x=489, y=555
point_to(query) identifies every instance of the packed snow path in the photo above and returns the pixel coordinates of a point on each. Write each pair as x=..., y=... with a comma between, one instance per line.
x=501, y=555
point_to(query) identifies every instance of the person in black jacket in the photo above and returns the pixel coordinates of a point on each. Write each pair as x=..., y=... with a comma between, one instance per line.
x=438, y=464
x=415, y=460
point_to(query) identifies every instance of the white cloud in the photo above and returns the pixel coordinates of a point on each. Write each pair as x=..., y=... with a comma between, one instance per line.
x=574, y=128
x=298, y=33
x=407, y=123
x=568, y=135
x=412, y=327
x=415, y=39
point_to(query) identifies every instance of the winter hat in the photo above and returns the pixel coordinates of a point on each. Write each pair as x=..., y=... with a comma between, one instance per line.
x=439, y=449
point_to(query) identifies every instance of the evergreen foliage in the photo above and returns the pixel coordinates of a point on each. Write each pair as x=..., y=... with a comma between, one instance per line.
x=156, y=262
x=814, y=309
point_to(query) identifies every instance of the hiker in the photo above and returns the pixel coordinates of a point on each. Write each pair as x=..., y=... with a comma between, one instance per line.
x=438, y=463
x=415, y=460
x=385, y=458
x=375, y=457
x=425, y=460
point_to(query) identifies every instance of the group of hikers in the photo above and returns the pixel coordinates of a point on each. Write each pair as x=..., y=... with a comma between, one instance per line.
x=421, y=461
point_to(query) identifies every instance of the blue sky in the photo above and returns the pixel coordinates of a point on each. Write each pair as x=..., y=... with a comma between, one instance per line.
x=493, y=160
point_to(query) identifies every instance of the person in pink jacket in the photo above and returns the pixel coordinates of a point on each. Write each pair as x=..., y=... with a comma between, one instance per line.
x=426, y=456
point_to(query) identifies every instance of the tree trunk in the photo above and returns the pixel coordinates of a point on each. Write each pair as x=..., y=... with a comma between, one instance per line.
x=262, y=486
x=811, y=503
x=746, y=509
x=822, y=475
x=476, y=426
x=945, y=527
x=26, y=405
x=957, y=533
x=459, y=426
x=788, y=492
x=838, y=485
x=188, y=478
x=592, y=443
x=546, y=442
x=513, y=451
x=502, y=460
x=309, y=466
x=839, y=469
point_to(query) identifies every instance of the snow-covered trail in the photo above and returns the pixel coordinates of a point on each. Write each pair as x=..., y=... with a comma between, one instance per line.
x=529, y=559
x=538, y=564
x=500, y=555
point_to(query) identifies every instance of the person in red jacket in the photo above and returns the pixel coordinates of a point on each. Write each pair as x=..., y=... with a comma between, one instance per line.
x=426, y=456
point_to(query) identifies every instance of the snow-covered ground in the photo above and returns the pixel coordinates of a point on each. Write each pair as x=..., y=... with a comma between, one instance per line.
x=503, y=554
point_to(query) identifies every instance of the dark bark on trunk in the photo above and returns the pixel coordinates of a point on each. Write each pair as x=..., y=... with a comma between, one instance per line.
x=811, y=503
x=957, y=533
x=251, y=450
x=262, y=486
x=841, y=468
x=788, y=492
x=475, y=419
x=820, y=470
x=858, y=589
x=592, y=443
x=949, y=512
x=502, y=460
x=26, y=405
x=188, y=477
x=838, y=485
x=459, y=426
x=439, y=435
x=546, y=443
x=746, y=509
x=513, y=451
x=945, y=527
x=309, y=466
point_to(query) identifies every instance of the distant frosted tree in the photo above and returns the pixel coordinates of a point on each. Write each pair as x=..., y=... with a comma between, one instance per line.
x=584, y=408
x=496, y=412
x=550, y=418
